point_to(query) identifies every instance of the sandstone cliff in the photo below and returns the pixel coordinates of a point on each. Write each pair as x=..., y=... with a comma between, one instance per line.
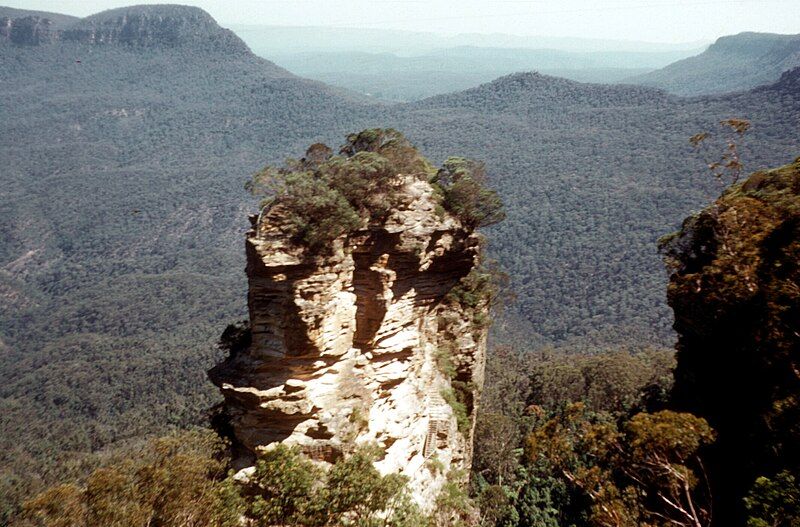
x=379, y=338
x=735, y=291
x=144, y=26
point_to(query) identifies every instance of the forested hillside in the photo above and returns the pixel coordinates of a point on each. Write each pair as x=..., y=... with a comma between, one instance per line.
x=122, y=210
x=592, y=176
x=733, y=63
x=122, y=217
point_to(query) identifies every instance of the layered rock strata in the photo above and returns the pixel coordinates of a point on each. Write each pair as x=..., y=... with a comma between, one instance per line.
x=348, y=348
x=136, y=26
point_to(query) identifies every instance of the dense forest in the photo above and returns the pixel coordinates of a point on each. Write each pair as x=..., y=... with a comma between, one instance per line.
x=600, y=440
x=123, y=212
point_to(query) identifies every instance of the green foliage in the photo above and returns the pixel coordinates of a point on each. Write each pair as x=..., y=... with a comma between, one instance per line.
x=453, y=506
x=496, y=506
x=463, y=184
x=355, y=490
x=645, y=472
x=482, y=289
x=589, y=463
x=444, y=361
x=366, y=180
x=392, y=145
x=666, y=435
x=316, y=214
x=774, y=502
x=290, y=489
x=176, y=480
x=457, y=401
x=614, y=381
x=322, y=197
x=285, y=480
x=180, y=481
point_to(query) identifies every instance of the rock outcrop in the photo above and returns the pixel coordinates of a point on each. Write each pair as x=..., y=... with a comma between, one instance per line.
x=142, y=26
x=26, y=31
x=371, y=343
x=735, y=291
x=31, y=28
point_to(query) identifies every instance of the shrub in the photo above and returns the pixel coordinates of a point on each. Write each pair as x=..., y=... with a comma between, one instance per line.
x=456, y=400
x=463, y=184
x=176, y=480
x=315, y=213
x=325, y=196
x=285, y=482
x=290, y=489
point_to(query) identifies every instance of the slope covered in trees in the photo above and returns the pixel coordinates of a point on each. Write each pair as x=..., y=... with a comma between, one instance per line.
x=122, y=210
x=732, y=63
x=121, y=221
x=591, y=176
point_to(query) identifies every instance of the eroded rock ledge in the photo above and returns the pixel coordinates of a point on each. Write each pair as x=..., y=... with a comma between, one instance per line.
x=366, y=344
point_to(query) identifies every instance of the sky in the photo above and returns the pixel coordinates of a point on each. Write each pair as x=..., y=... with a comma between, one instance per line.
x=643, y=20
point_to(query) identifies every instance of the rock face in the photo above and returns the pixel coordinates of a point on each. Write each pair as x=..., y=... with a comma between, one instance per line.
x=139, y=26
x=366, y=345
x=735, y=292
x=26, y=31
x=31, y=28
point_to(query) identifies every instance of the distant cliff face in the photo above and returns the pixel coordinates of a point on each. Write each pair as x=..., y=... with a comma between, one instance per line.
x=736, y=297
x=371, y=343
x=142, y=26
x=733, y=63
x=26, y=31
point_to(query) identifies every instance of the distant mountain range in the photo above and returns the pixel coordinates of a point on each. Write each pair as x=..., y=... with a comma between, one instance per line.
x=733, y=63
x=402, y=66
x=125, y=141
x=281, y=40
x=404, y=78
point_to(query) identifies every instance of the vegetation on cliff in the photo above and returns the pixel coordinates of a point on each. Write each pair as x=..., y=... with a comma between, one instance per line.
x=735, y=290
x=324, y=196
x=607, y=440
x=175, y=480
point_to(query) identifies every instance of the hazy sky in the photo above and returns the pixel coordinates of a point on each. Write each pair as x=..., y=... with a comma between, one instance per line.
x=651, y=20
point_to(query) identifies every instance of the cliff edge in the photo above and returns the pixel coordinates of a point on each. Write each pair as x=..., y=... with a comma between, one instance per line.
x=378, y=335
x=735, y=291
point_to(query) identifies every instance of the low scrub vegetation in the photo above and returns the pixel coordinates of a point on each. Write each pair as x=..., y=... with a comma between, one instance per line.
x=324, y=196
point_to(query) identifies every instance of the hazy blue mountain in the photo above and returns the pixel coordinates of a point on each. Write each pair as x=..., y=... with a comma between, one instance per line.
x=404, y=78
x=732, y=63
x=275, y=40
x=406, y=66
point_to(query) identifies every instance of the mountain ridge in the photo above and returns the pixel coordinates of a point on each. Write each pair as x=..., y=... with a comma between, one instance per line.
x=733, y=63
x=141, y=25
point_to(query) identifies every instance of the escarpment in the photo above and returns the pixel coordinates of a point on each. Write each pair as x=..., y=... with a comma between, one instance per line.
x=377, y=336
x=144, y=26
x=735, y=291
